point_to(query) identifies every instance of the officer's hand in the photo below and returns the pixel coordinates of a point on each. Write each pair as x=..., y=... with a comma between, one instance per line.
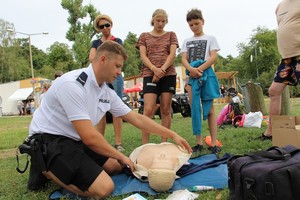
x=125, y=162
x=183, y=143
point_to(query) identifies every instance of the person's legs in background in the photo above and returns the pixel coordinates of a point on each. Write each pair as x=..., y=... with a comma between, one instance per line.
x=188, y=89
x=199, y=143
x=165, y=110
x=117, y=121
x=283, y=75
x=118, y=85
x=149, y=109
x=212, y=125
x=167, y=87
x=275, y=92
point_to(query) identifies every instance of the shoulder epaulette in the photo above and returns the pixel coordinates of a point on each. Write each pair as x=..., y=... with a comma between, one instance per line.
x=82, y=78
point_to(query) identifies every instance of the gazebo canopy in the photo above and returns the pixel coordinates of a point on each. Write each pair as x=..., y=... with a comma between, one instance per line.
x=230, y=76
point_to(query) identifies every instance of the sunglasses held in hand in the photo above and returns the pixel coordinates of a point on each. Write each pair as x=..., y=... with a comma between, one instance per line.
x=104, y=25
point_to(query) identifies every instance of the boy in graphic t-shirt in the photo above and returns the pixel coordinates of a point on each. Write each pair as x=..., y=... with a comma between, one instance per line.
x=199, y=53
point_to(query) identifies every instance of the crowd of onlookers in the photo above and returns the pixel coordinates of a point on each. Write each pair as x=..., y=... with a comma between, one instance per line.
x=25, y=107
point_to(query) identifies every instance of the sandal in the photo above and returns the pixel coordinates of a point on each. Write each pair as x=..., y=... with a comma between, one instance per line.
x=214, y=149
x=263, y=137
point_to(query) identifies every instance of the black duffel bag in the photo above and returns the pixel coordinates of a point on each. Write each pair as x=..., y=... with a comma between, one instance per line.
x=273, y=174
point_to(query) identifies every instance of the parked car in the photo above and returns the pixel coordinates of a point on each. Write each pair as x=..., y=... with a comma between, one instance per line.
x=126, y=100
x=180, y=104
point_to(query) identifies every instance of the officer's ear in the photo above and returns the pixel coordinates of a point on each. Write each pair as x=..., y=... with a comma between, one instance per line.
x=103, y=58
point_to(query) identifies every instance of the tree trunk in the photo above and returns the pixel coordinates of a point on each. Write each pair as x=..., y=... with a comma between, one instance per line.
x=285, y=102
x=255, y=98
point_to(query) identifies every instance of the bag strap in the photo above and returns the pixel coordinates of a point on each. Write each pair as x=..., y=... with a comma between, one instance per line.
x=283, y=154
x=291, y=149
x=287, y=149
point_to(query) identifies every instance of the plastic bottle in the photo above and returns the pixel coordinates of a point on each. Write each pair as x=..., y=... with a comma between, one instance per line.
x=201, y=188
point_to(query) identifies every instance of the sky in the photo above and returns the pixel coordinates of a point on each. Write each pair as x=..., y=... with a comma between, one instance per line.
x=230, y=21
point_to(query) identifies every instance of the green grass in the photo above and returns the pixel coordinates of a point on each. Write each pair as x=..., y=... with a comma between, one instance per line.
x=13, y=130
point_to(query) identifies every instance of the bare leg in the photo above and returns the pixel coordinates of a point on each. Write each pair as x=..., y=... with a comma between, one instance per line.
x=117, y=123
x=165, y=110
x=199, y=139
x=100, y=188
x=188, y=88
x=275, y=92
x=212, y=125
x=149, y=106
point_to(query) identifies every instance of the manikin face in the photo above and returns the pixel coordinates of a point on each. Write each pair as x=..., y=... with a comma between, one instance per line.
x=196, y=25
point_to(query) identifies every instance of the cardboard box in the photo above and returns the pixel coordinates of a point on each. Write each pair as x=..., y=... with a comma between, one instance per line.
x=284, y=130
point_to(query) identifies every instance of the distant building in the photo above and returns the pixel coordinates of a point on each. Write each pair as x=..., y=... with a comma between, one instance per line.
x=12, y=92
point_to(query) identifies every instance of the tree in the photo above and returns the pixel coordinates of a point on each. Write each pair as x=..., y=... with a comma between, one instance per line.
x=60, y=57
x=222, y=64
x=133, y=64
x=262, y=48
x=80, y=33
x=39, y=57
x=14, y=66
x=17, y=66
x=177, y=61
x=6, y=58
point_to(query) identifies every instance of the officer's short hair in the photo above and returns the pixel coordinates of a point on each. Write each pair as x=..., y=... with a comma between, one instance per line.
x=112, y=47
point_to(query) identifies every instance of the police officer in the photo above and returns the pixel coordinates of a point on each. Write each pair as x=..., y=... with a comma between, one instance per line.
x=78, y=156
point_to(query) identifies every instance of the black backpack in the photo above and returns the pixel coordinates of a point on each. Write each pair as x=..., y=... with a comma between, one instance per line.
x=273, y=174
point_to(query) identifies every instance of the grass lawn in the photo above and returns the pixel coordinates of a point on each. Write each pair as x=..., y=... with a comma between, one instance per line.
x=13, y=130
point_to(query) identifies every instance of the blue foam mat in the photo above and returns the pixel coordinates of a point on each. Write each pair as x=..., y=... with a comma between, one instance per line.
x=214, y=176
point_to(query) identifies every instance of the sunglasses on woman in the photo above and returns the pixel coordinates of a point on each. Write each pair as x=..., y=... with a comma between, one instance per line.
x=104, y=25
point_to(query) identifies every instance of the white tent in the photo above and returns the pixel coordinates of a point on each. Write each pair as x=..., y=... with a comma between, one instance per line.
x=20, y=94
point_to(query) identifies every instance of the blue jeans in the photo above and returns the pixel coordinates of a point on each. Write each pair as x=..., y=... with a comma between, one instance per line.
x=118, y=85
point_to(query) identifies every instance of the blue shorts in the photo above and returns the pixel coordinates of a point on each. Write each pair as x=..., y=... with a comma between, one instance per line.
x=165, y=84
x=288, y=71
